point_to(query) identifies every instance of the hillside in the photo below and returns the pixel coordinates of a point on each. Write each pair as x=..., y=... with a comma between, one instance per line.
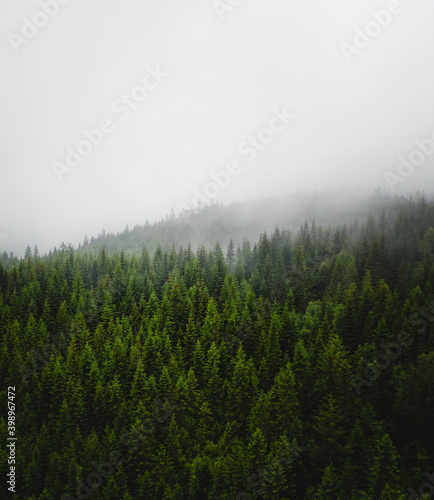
x=248, y=220
x=297, y=366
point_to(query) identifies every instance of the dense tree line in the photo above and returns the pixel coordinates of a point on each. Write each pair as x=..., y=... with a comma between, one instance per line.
x=296, y=367
x=206, y=224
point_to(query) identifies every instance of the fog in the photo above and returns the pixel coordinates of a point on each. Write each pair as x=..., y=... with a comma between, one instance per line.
x=114, y=113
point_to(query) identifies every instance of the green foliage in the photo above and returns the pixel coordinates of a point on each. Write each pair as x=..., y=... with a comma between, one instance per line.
x=167, y=373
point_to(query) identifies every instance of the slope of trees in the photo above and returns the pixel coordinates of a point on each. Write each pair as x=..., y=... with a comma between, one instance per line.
x=298, y=366
x=207, y=224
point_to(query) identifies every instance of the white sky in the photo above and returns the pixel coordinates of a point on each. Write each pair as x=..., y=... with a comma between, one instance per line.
x=353, y=120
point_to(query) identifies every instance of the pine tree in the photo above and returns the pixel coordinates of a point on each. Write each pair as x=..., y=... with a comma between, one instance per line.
x=383, y=473
x=230, y=256
x=328, y=445
x=285, y=411
x=329, y=487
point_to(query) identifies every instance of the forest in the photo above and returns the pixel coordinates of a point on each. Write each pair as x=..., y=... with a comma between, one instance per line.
x=297, y=365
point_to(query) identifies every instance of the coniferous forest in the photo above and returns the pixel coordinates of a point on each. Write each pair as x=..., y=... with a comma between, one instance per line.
x=299, y=365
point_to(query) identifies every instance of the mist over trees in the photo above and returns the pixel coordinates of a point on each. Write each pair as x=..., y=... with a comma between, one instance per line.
x=206, y=224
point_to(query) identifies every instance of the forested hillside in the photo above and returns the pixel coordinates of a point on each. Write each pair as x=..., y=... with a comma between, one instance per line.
x=296, y=366
x=207, y=224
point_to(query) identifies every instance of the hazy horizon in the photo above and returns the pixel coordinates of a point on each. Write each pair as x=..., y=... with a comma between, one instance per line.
x=115, y=116
x=345, y=200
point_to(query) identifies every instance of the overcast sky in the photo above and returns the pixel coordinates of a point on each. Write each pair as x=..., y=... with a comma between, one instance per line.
x=180, y=91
